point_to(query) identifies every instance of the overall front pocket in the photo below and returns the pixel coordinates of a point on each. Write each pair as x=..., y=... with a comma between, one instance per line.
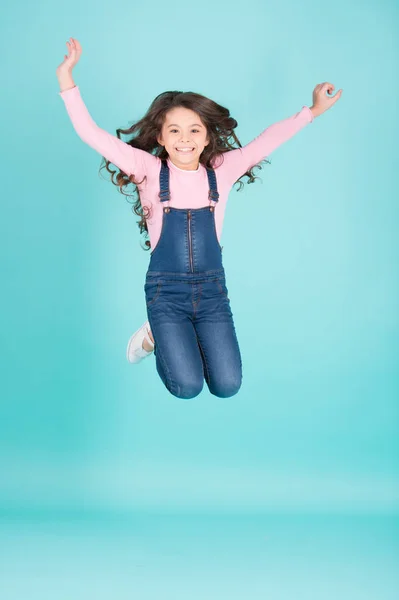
x=152, y=291
x=222, y=287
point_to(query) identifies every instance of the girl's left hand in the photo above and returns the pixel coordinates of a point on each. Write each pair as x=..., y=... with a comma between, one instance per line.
x=321, y=102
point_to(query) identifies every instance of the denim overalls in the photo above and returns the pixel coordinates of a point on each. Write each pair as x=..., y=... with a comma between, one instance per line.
x=187, y=301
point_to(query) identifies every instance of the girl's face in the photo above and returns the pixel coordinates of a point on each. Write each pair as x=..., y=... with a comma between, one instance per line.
x=184, y=136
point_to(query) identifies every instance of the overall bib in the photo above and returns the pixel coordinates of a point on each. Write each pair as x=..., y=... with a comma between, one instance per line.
x=187, y=301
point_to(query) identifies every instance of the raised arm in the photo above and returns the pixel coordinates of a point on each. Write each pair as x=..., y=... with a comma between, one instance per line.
x=237, y=162
x=128, y=159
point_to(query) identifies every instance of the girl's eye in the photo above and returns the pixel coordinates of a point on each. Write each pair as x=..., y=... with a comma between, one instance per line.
x=173, y=130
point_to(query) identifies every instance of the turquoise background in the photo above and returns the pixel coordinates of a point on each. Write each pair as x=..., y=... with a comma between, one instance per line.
x=112, y=488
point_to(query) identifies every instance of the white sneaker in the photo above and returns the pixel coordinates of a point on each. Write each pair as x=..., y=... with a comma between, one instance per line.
x=135, y=351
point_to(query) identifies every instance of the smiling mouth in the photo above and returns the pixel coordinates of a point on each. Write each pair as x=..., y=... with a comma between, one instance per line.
x=185, y=150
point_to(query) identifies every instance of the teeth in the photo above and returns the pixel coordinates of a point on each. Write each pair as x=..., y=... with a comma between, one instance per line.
x=184, y=149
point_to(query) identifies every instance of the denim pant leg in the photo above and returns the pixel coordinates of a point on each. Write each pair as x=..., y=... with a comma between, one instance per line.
x=178, y=357
x=218, y=340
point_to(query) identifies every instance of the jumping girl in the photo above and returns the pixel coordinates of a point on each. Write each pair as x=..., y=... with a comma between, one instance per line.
x=183, y=160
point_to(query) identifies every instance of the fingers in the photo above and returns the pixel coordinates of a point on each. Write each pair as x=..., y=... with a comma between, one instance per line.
x=73, y=46
x=73, y=55
x=327, y=87
x=324, y=100
x=322, y=88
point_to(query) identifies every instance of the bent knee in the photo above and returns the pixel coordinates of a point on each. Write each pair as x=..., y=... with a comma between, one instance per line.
x=187, y=389
x=226, y=388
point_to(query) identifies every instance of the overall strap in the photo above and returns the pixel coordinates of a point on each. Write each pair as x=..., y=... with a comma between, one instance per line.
x=164, y=192
x=213, y=188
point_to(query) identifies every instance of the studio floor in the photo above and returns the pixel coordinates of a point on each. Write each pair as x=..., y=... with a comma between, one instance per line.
x=148, y=556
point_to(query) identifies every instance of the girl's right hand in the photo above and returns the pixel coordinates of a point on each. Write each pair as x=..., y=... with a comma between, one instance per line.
x=70, y=59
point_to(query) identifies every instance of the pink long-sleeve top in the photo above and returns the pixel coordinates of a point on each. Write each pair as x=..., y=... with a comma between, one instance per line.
x=188, y=189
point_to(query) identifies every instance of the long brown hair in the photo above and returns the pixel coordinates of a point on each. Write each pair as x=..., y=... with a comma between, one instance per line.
x=220, y=130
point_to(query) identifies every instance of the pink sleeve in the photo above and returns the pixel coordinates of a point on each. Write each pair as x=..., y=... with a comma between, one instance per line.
x=237, y=162
x=128, y=159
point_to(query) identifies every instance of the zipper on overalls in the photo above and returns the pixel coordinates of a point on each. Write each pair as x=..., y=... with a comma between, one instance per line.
x=190, y=249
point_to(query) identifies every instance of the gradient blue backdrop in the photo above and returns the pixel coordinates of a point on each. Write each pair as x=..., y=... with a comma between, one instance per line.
x=110, y=485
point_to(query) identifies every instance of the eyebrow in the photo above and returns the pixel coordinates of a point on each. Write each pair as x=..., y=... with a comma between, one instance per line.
x=174, y=125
